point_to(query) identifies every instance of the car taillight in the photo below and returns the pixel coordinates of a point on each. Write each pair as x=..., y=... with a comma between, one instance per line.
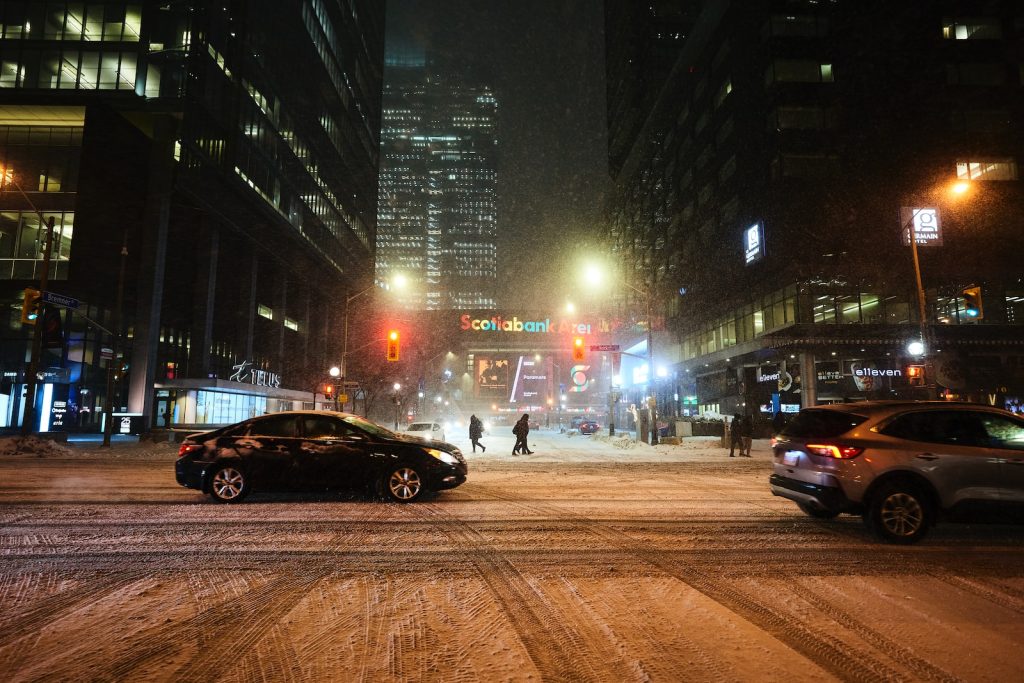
x=187, y=448
x=832, y=450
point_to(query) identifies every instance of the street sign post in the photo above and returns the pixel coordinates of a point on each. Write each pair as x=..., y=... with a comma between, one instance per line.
x=60, y=300
x=604, y=347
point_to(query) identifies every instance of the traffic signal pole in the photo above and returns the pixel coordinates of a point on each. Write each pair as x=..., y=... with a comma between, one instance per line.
x=29, y=419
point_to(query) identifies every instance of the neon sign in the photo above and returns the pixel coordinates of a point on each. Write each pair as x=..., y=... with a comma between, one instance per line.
x=514, y=324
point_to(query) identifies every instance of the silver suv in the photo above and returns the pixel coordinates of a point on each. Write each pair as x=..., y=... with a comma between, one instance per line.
x=900, y=464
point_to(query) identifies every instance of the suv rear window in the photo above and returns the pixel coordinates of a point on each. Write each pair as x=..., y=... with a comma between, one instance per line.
x=822, y=424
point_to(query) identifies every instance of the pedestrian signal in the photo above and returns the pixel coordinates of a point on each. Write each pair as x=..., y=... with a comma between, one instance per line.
x=393, y=345
x=579, y=349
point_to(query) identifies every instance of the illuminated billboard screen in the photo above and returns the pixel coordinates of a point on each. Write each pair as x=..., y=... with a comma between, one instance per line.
x=530, y=381
x=492, y=378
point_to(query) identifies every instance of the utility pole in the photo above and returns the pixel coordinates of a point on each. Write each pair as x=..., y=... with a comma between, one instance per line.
x=108, y=403
x=28, y=423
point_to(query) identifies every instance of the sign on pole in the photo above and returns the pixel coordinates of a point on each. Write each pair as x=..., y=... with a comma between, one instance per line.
x=60, y=300
x=604, y=347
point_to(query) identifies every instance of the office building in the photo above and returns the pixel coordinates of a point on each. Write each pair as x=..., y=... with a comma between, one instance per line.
x=765, y=198
x=437, y=219
x=232, y=150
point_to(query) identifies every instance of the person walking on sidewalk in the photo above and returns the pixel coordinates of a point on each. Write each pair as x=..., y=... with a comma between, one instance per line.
x=521, y=430
x=735, y=439
x=747, y=434
x=476, y=430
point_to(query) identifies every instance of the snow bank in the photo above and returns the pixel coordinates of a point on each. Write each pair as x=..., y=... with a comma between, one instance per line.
x=32, y=445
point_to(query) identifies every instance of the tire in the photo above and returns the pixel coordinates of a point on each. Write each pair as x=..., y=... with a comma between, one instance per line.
x=899, y=512
x=402, y=484
x=229, y=483
x=817, y=513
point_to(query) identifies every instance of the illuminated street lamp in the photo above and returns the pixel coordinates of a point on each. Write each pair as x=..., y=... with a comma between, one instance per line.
x=595, y=276
x=910, y=233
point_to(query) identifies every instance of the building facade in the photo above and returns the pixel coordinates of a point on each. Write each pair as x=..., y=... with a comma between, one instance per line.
x=765, y=200
x=213, y=166
x=437, y=217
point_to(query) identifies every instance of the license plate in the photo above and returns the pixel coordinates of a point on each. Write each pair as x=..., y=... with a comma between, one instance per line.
x=790, y=458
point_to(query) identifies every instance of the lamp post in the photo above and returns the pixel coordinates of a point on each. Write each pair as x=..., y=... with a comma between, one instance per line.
x=909, y=229
x=594, y=275
x=398, y=403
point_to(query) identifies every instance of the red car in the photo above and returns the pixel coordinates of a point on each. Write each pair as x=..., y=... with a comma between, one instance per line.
x=589, y=427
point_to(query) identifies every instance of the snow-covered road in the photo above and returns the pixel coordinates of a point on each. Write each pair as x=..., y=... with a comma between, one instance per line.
x=585, y=561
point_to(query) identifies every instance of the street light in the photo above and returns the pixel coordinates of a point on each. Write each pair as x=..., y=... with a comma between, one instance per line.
x=397, y=388
x=908, y=229
x=595, y=276
x=398, y=282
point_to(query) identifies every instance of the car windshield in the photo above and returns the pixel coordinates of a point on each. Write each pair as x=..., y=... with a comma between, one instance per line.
x=419, y=427
x=367, y=426
x=822, y=423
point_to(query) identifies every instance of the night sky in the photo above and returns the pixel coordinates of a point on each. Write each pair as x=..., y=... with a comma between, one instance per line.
x=545, y=61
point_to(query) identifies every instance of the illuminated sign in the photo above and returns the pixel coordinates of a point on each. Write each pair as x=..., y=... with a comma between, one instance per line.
x=753, y=243
x=514, y=324
x=926, y=225
x=246, y=374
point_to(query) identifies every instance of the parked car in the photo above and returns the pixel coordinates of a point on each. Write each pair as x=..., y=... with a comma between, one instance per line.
x=315, y=451
x=902, y=465
x=576, y=421
x=589, y=427
x=426, y=430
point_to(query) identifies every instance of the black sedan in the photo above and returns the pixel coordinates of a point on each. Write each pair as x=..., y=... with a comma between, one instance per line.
x=315, y=451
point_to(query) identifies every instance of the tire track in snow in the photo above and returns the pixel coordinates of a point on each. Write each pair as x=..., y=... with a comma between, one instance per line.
x=836, y=657
x=552, y=647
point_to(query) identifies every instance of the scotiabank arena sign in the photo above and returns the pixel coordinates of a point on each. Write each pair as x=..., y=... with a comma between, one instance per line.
x=498, y=324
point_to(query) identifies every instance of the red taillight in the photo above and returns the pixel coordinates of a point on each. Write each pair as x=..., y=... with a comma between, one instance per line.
x=187, y=448
x=832, y=450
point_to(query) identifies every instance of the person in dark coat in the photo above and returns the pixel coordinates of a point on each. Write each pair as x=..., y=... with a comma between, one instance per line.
x=747, y=434
x=476, y=430
x=735, y=438
x=521, y=430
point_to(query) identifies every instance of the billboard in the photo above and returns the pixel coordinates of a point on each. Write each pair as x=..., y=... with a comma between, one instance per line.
x=492, y=378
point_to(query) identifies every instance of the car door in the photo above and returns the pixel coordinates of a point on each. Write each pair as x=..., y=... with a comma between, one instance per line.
x=272, y=442
x=332, y=454
x=1006, y=438
x=950, y=449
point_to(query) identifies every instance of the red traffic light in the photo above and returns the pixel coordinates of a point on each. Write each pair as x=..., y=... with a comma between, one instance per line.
x=393, y=347
x=579, y=349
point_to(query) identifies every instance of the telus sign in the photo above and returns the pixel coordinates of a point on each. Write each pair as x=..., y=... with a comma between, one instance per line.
x=753, y=243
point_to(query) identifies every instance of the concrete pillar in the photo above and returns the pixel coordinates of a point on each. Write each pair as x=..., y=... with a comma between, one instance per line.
x=152, y=255
x=206, y=300
x=808, y=380
x=249, y=295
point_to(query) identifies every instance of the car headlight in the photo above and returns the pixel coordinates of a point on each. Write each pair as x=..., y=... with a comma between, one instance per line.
x=446, y=458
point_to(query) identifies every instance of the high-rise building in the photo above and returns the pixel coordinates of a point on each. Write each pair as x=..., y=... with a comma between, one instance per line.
x=437, y=217
x=232, y=148
x=764, y=186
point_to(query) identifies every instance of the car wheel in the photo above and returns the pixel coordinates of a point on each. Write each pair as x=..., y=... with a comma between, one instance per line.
x=402, y=484
x=817, y=513
x=228, y=484
x=899, y=512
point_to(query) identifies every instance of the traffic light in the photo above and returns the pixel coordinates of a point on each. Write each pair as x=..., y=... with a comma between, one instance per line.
x=579, y=350
x=30, y=306
x=972, y=303
x=393, y=345
x=329, y=391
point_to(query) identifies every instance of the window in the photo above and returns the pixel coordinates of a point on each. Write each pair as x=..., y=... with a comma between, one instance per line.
x=991, y=169
x=1003, y=432
x=291, y=324
x=279, y=425
x=798, y=71
x=265, y=312
x=797, y=25
x=953, y=427
x=821, y=424
x=799, y=118
x=975, y=73
x=985, y=28
x=323, y=427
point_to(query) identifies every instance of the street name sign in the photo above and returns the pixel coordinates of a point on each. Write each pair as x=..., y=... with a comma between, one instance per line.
x=604, y=347
x=60, y=300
